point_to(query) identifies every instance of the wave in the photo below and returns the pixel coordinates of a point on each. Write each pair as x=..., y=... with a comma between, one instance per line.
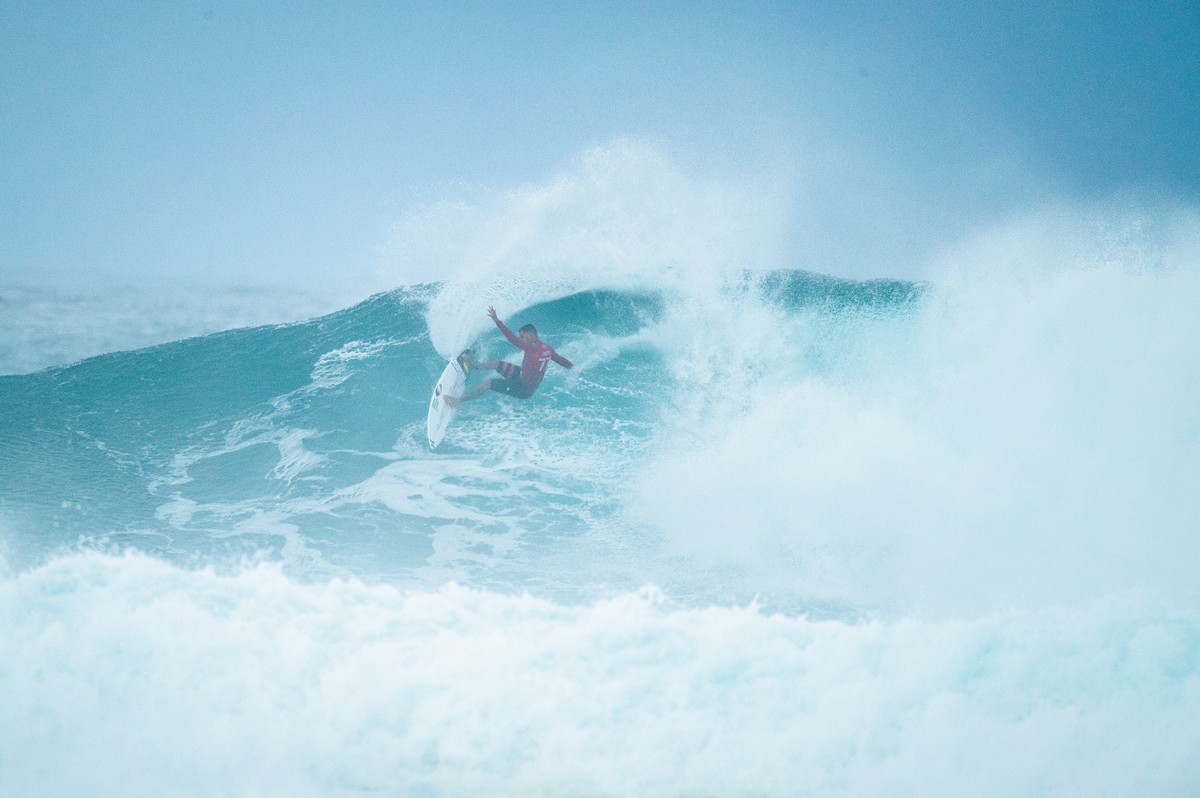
x=46, y=326
x=776, y=533
x=150, y=679
x=812, y=441
x=273, y=438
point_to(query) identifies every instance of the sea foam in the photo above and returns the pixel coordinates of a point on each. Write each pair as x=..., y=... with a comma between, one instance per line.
x=127, y=674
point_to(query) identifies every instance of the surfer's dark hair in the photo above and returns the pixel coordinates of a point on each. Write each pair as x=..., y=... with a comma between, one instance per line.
x=528, y=328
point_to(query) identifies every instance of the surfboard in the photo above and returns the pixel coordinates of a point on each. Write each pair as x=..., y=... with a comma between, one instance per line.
x=452, y=382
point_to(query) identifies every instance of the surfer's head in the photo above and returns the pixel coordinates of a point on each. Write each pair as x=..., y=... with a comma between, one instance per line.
x=528, y=332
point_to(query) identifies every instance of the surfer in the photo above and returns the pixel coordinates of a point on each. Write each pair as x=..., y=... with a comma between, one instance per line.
x=519, y=381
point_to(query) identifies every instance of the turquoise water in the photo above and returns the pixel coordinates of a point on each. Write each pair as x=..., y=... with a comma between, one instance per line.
x=775, y=534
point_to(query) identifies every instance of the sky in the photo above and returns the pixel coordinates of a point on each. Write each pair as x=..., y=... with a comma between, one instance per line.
x=279, y=143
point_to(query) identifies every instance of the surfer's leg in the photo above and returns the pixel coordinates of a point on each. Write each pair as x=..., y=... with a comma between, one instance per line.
x=492, y=365
x=455, y=401
x=502, y=367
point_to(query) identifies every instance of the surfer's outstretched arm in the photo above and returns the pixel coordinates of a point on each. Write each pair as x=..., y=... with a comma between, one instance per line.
x=509, y=334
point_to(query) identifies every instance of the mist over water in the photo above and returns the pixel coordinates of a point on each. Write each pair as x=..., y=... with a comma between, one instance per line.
x=52, y=325
x=777, y=532
x=1030, y=444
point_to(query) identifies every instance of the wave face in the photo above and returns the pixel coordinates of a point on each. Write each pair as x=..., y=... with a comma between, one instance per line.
x=305, y=441
x=774, y=534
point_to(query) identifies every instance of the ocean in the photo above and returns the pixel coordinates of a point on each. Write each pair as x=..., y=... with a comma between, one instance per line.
x=777, y=533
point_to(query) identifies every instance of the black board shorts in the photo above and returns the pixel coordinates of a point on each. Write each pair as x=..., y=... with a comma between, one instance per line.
x=511, y=385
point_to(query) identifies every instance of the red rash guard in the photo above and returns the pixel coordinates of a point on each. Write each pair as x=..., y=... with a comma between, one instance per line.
x=537, y=359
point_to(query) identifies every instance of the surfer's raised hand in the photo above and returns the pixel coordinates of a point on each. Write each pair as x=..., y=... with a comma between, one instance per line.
x=492, y=312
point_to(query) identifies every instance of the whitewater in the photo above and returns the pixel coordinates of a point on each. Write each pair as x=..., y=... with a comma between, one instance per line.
x=777, y=533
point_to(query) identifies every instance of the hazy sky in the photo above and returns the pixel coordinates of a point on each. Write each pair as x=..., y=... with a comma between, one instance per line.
x=268, y=142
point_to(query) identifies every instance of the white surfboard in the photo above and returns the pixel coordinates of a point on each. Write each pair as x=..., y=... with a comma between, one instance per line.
x=452, y=382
